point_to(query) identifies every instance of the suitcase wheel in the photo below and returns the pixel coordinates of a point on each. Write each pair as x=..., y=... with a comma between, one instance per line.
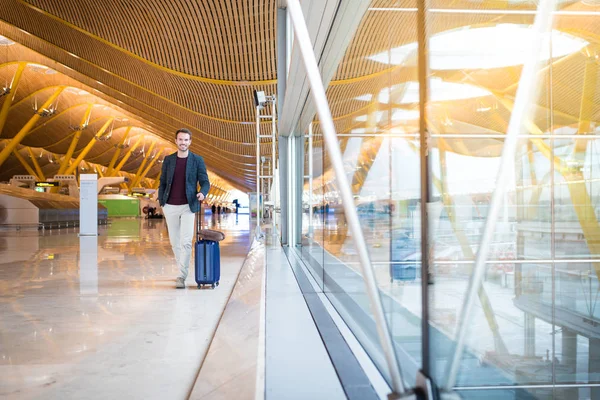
x=217, y=283
x=212, y=286
x=199, y=286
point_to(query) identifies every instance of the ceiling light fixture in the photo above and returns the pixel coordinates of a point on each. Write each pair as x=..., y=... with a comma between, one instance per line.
x=124, y=145
x=136, y=153
x=47, y=112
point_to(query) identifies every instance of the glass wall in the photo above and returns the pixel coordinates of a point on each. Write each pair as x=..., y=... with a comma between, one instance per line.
x=533, y=322
x=535, y=328
x=379, y=139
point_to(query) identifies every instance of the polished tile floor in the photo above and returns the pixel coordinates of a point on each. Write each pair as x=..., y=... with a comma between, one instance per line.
x=99, y=318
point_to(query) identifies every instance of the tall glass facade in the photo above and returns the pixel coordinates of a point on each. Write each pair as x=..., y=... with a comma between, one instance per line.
x=535, y=328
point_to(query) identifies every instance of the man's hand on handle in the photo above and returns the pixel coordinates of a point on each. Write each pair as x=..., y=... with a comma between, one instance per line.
x=200, y=196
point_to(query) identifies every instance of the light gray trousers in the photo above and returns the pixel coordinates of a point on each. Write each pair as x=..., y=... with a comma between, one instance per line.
x=180, y=222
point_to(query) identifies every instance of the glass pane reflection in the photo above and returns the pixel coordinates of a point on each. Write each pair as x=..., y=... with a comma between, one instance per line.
x=383, y=172
x=536, y=317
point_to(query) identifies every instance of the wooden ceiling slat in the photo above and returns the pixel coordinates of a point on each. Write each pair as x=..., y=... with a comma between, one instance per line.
x=213, y=56
x=206, y=59
x=229, y=68
x=197, y=45
x=251, y=30
x=265, y=36
x=261, y=37
x=240, y=46
x=272, y=38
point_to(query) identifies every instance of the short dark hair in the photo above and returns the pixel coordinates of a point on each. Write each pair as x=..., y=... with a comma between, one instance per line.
x=183, y=130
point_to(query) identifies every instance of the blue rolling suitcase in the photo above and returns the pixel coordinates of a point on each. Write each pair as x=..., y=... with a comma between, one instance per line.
x=207, y=260
x=402, y=272
x=405, y=257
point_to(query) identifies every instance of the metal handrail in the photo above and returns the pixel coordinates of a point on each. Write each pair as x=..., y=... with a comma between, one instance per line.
x=318, y=91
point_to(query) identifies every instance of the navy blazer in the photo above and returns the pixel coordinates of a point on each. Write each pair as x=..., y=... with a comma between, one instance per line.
x=195, y=173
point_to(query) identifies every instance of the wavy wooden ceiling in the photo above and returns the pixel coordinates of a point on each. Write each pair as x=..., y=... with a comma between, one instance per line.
x=170, y=63
x=353, y=92
x=177, y=63
x=51, y=137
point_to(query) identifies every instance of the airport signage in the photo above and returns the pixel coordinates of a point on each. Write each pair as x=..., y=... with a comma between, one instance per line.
x=47, y=184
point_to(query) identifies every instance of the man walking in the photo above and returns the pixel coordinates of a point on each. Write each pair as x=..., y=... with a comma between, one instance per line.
x=180, y=199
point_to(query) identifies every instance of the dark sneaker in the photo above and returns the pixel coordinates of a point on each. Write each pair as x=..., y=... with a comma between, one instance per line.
x=180, y=283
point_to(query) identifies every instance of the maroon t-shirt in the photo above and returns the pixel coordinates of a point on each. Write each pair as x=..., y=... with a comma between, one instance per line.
x=177, y=195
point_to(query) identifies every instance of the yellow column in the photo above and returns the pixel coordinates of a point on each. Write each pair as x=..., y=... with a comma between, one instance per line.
x=124, y=184
x=36, y=165
x=24, y=163
x=141, y=167
x=486, y=304
x=93, y=169
x=578, y=189
x=157, y=180
x=149, y=167
x=89, y=146
x=369, y=150
x=99, y=171
x=586, y=107
x=576, y=184
x=535, y=130
x=65, y=163
x=13, y=91
x=118, y=152
x=28, y=126
x=117, y=169
x=585, y=213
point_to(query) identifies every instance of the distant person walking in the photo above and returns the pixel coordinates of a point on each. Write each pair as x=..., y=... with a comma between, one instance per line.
x=177, y=194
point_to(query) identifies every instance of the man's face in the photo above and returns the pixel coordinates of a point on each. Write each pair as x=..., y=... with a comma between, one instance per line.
x=183, y=141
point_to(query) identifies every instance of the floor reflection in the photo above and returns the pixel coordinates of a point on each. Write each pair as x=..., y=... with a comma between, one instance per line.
x=88, y=265
x=97, y=317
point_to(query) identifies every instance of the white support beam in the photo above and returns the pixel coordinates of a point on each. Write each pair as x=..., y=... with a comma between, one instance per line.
x=331, y=25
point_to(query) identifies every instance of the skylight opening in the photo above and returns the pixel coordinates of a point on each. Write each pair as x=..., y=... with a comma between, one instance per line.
x=37, y=67
x=378, y=115
x=4, y=41
x=76, y=91
x=439, y=90
x=405, y=115
x=498, y=46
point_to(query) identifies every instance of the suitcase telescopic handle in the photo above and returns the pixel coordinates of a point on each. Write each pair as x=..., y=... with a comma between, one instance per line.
x=198, y=223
